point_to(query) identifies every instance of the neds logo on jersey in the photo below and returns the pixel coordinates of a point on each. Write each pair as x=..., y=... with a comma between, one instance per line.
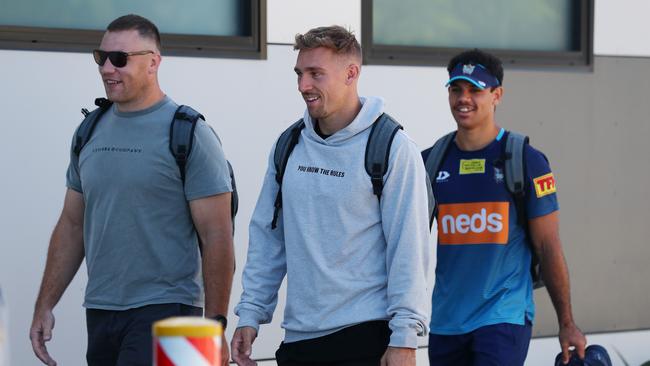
x=473, y=223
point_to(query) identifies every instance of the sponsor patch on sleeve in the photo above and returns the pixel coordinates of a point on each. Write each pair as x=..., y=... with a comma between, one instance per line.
x=544, y=185
x=472, y=166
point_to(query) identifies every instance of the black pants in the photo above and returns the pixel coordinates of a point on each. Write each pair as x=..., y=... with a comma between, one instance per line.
x=359, y=345
x=124, y=337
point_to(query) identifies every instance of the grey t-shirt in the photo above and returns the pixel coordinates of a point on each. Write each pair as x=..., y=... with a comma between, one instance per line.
x=140, y=243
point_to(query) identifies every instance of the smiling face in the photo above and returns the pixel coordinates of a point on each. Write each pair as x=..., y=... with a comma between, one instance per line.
x=471, y=106
x=327, y=82
x=134, y=86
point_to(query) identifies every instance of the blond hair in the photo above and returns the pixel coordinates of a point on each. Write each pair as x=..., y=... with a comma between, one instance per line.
x=335, y=38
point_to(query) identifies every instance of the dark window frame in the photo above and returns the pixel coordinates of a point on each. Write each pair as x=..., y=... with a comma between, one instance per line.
x=439, y=56
x=81, y=40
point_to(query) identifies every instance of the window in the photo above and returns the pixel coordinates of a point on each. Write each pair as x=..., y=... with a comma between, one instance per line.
x=212, y=28
x=547, y=33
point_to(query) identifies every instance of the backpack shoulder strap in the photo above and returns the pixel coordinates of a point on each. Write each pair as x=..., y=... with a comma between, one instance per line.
x=437, y=154
x=234, y=197
x=378, y=150
x=432, y=165
x=181, y=135
x=515, y=177
x=181, y=139
x=514, y=162
x=283, y=148
x=87, y=126
x=431, y=201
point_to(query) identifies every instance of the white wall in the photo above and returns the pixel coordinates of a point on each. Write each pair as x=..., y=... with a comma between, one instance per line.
x=288, y=17
x=248, y=102
x=620, y=28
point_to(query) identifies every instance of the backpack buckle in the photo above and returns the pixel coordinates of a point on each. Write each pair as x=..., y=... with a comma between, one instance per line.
x=377, y=184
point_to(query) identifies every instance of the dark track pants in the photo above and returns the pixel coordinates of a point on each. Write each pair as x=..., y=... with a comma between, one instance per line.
x=124, y=337
x=500, y=344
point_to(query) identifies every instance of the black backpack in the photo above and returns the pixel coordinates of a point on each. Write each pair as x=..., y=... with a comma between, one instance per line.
x=376, y=158
x=181, y=137
x=514, y=163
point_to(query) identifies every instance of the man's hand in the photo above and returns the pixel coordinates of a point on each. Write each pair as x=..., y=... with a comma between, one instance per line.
x=398, y=356
x=242, y=346
x=225, y=353
x=41, y=332
x=570, y=335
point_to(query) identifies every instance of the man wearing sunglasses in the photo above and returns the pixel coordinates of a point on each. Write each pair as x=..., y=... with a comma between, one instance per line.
x=128, y=212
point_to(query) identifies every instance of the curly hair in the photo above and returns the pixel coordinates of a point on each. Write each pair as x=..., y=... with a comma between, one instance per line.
x=492, y=63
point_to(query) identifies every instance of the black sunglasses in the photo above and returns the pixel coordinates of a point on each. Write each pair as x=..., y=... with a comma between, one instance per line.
x=118, y=58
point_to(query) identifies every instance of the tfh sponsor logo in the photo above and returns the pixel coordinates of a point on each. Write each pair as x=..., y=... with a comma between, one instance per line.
x=473, y=223
x=544, y=185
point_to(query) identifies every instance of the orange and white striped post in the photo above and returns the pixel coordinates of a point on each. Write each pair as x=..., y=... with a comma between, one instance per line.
x=187, y=341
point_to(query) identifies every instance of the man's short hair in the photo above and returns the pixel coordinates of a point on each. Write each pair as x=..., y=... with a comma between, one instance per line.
x=335, y=38
x=144, y=26
x=478, y=57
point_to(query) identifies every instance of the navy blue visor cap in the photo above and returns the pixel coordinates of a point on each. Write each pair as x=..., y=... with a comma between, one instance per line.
x=475, y=74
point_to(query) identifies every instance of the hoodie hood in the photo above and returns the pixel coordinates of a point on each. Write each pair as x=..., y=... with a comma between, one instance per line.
x=371, y=109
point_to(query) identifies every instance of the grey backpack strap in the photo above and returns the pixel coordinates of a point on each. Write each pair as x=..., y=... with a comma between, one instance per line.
x=432, y=165
x=515, y=176
x=436, y=155
x=431, y=200
x=87, y=126
x=181, y=139
x=181, y=135
x=514, y=162
x=283, y=148
x=378, y=150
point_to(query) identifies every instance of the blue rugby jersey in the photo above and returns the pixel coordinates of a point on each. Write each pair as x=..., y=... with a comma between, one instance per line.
x=483, y=258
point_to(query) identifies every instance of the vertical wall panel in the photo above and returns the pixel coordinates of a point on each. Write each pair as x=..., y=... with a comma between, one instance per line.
x=594, y=130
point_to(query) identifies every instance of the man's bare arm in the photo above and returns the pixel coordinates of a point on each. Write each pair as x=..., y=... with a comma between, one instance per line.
x=211, y=217
x=545, y=234
x=64, y=256
x=213, y=223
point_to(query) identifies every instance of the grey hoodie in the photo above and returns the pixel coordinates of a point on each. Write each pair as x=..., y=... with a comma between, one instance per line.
x=348, y=257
